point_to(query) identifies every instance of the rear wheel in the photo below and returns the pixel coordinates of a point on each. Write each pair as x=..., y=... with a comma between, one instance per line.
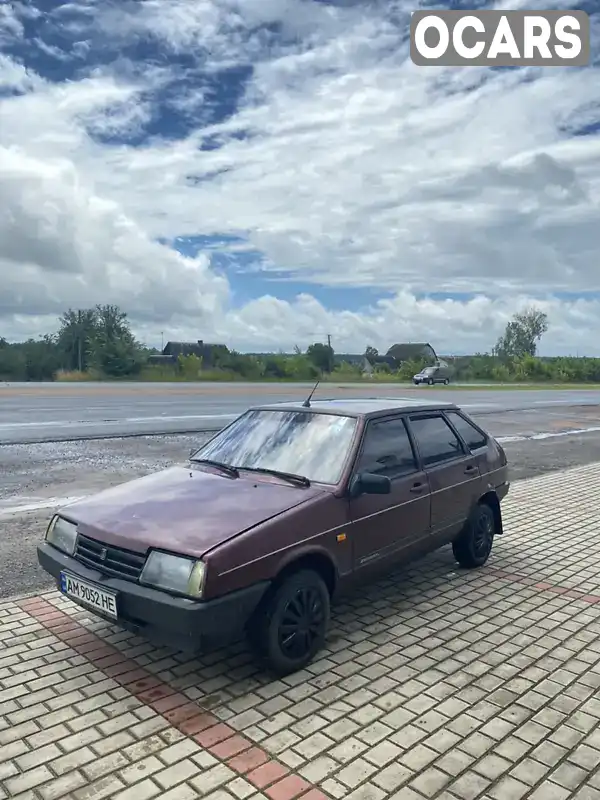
x=430, y=381
x=474, y=544
x=446, y=381
x=290, y=628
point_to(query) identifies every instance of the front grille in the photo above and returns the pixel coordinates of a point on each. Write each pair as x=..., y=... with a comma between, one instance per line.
x=109, y=560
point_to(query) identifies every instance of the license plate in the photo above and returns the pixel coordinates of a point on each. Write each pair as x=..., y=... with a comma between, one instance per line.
x=89, y=594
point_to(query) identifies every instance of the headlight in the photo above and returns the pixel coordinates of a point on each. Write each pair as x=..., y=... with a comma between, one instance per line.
x=62, y=534
x=174, y=573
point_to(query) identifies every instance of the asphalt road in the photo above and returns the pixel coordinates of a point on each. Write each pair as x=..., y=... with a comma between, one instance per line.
x=67, y=412
x=34, y=479
x=541, y=430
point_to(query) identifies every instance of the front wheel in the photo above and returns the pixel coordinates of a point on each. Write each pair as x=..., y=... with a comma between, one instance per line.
x=474, y=545
x=290, y=628
x=430, y=381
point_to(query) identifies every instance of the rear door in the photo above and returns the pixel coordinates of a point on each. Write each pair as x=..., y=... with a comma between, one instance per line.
x=384, y=526
x=452, y=471
x=474, y=438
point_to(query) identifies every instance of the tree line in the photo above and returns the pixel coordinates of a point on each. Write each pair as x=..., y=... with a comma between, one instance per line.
x=98, y=344
x=89, y=342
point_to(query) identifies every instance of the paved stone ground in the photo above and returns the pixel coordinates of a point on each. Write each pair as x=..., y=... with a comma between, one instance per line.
x=436, y=683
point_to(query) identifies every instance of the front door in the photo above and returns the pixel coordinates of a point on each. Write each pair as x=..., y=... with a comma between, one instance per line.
x=385, y=526
x=453, y=473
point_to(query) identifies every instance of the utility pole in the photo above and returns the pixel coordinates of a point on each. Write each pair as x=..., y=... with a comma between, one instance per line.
x=162, y=341
x=79, y=341
x=330, y=352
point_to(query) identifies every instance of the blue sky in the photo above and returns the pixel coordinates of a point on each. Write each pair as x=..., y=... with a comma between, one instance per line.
x=259, y=171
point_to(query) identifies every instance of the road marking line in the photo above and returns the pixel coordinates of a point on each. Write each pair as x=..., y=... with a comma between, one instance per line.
x=548, y=435
x=70, y=423
x=39, y=505
x=54, y=502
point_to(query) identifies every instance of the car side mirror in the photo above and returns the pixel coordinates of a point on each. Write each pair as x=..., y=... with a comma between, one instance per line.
x=370, y=483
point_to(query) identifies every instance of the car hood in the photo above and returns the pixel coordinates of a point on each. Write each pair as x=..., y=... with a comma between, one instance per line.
x=183, y=509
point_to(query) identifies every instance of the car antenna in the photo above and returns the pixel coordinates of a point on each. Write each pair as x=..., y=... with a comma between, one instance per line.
x=306, y=403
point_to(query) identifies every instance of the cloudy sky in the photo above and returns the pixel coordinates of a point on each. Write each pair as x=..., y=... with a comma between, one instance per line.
x=265, y=172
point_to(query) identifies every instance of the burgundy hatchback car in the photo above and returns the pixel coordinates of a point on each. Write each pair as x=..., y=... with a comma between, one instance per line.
x=287, y=505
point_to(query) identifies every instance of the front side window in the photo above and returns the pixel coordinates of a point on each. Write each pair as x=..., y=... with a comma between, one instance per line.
x=305, y=443
x=435, y=439
x=387, y=449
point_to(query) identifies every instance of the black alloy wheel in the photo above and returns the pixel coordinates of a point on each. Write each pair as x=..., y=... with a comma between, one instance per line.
x=483, y=535
x=301, y=623
x=290, y=626
x=474, y=544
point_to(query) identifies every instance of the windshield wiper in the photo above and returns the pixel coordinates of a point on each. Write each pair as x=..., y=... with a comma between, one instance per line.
x=233, y=471
x=286, y=476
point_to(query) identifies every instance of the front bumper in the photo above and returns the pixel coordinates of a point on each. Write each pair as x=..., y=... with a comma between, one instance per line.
x=178, y=622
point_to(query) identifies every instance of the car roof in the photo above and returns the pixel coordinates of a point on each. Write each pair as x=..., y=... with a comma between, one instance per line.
x=360, y=406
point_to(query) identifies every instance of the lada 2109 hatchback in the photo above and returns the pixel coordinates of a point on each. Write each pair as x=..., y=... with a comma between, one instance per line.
x=285, y=506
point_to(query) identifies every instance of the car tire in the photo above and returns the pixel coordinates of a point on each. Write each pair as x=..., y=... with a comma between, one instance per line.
x=473, y=546
x=446, y=381
x=302, y=602
x=430, y=381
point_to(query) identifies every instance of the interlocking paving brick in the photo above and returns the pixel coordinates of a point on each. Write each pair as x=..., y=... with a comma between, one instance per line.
x=177, y=773
x=435, y=682
x=63, y=786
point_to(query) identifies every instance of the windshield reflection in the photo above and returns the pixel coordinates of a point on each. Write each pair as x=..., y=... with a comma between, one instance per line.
x=304, y=443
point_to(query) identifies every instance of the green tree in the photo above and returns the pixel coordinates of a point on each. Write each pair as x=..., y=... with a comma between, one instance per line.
x=522, y=334
x=32, y=360
x=113, y=350
x=13, y=364
x=371, y=352
x=190, y=366
x=321, y=356
x=77, y=329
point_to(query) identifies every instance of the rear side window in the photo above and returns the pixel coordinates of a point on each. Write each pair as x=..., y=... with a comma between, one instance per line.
x=435, y=439
x=387, y=449
x=473, y=437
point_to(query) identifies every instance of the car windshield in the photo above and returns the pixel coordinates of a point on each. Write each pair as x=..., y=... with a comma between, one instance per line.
x=300, y=442
x=428, y=370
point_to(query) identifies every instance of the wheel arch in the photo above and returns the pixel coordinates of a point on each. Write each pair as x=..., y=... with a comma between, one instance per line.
x=491, y=499
x=316, y=560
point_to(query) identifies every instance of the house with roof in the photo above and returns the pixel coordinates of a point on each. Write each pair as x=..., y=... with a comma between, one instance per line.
x=203, y=350
x=412, y=351
x=394, y=358
x=367, y=364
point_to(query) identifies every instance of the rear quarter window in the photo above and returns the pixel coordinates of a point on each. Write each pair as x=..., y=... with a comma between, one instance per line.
x=473, y=437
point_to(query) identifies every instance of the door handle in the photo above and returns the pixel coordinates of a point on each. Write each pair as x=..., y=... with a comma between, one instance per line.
x=470, y=468
x=416, y=488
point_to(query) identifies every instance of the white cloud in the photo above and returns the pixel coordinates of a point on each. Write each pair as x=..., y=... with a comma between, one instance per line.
x=355, y=169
